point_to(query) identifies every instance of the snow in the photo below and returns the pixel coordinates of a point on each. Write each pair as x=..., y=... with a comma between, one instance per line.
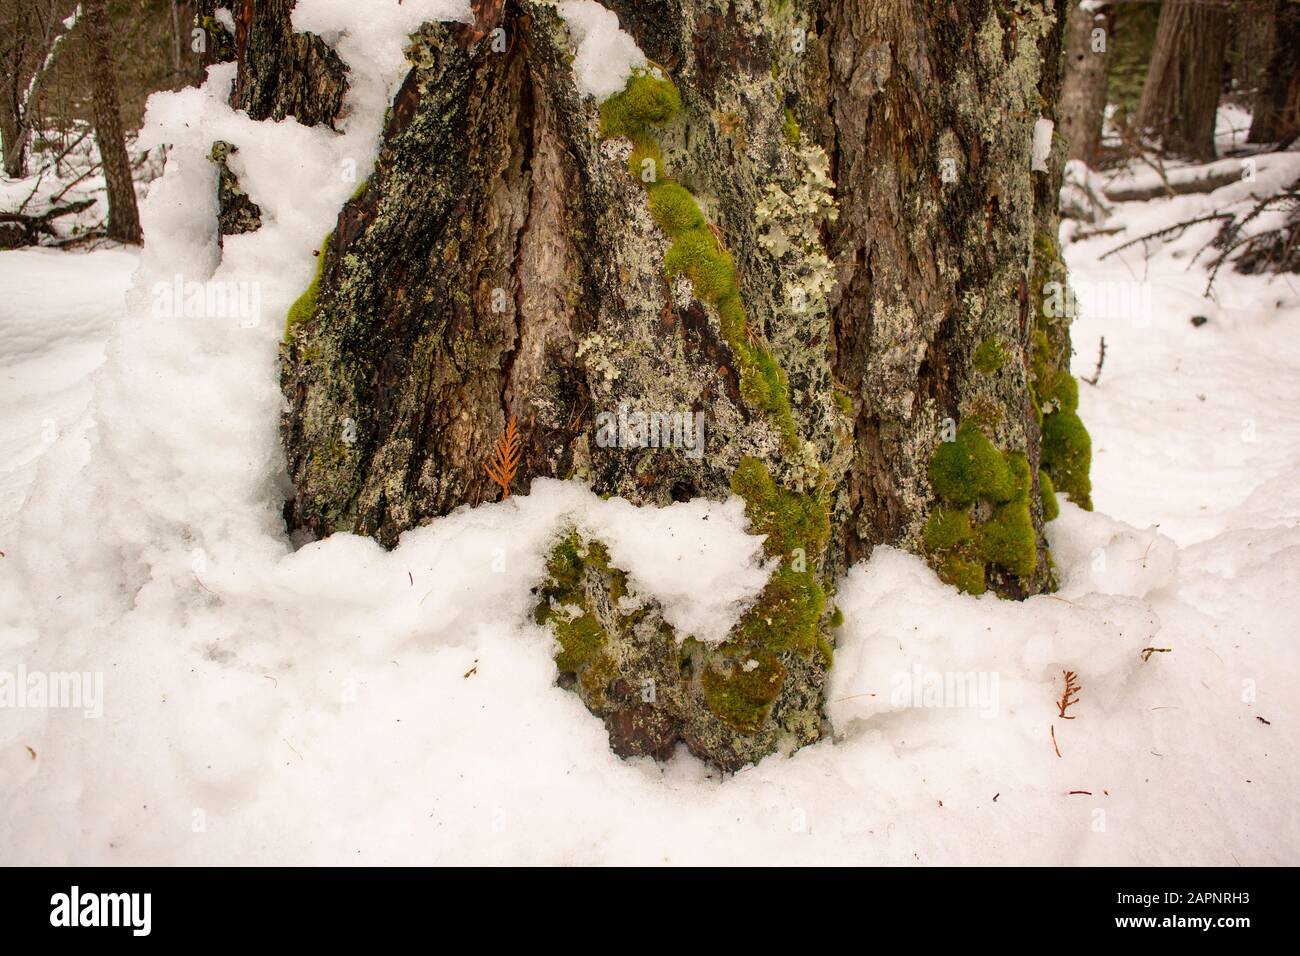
x=342, y=703
x=606, y=55
x=1042, y=144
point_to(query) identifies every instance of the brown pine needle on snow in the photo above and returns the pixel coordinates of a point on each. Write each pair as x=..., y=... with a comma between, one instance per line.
x=1071, y=687
x=504, y=462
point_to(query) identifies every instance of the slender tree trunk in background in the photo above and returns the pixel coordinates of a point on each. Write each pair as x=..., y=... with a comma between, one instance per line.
x=1277, y=108
x=1083, y=97
x=1181, y=96
x=123, y=215
x=15, y=142
x=836, y=250
x=1250, y=46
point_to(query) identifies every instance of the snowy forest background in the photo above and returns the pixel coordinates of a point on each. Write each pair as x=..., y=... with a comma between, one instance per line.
x=237, y=695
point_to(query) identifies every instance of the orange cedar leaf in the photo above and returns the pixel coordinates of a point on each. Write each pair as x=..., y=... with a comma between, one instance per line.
x=504, y=462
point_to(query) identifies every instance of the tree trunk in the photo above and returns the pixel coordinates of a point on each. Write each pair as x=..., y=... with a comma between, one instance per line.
x=1180, y=99
x=1250, y=47
x=123, y=216
x=1277, y=108
x=1083, y=97
x=14, y=139
x=824, y=227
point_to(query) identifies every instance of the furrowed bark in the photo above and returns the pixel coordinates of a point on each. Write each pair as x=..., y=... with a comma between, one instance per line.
x=1181, y=94
x=1083, y=96
x=503, y=262
x=123, y=214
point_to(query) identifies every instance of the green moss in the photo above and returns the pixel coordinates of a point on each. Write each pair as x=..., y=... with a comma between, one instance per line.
x=837, y=617
x=360, y=190
x=1067, y=455
x=579, y=639
x=646, y=163
x=1007, y=539
x=963, y=574
x=305, y=305
x=674, y=209
x=696, y=254
x=843, y=400
x=1047, y=491
x=791, y=128
x=789, y=519
x=969, y=468
x=946, y=528
x=645, y=102
x=990, y=355
x=787, y=613
x=962, y=472
x=743, y=696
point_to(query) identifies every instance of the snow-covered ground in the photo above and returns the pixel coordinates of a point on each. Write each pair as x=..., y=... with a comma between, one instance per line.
x=342, y=703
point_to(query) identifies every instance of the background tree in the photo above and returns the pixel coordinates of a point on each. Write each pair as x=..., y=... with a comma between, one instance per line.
x=123, y=215
x=33, y=34
x=1083, y=97
x=1277, y=107
x=1181, y=96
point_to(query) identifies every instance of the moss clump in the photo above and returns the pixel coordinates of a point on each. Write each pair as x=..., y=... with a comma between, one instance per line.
x=305, y=305
x=786, y=615
x=969, y=468
x=580, y=634
x=1007, y=539
x=947, y=528
x=1047, y=491
x=963, y=472
x=1067, y=456
x=990, y=355
x=742, y=695
x=797, y=527
x=1066, y=446
x=646, y=102
x=674, y=209
x=579, y=639
x=789, y=519
x=696, y=254
x=962, y=573
x=843, y=400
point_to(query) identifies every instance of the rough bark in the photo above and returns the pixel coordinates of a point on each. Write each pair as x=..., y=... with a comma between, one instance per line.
x=503, y=262
x=1250, y=47
x=1276, y=117
x=283, y=73
x=123, y=214
x=1181, y=96
x=1083, y=97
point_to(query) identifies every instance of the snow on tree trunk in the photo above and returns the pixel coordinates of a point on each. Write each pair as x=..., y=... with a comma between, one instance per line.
x=814, y=228
x=1181, y=96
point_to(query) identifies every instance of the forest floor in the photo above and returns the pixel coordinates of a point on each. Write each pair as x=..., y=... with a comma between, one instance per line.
x=248, y=703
